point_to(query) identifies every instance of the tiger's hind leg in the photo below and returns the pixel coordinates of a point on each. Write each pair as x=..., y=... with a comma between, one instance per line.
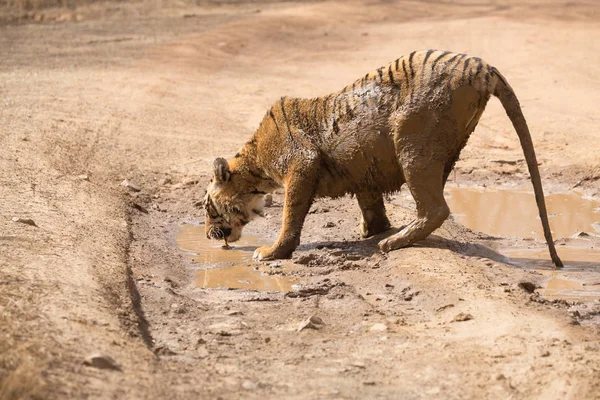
x=426, y=186
x=422, y=144
x=373, y=219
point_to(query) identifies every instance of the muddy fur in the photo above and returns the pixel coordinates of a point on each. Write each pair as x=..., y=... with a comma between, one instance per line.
x=403, y=123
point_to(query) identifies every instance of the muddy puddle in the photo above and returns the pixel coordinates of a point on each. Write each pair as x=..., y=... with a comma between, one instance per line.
x=515, y=214
x=232, y=268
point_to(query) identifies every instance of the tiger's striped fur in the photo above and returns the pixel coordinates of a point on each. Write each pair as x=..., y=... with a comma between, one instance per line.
x=405, y=122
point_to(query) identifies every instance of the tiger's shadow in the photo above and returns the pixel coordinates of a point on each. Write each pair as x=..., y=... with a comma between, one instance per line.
x=366, y=248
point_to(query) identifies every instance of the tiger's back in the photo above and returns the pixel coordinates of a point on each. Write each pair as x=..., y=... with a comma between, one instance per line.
x=354, y=128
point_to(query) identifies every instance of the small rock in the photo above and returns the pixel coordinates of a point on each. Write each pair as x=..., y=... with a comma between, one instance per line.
x=26, y=221
x=164, y=351
x=268, y=200
x=545, y=353
x=101, y=361
x=234, y=312
x=275, y=264
x=378, y=328
x=329, y=225
x=359, y=364
x=460, y=317
x=442, y=308
x=529, y=287
x=313, y=322
x=83, y=177
x=249, y=385
x=165, y=181
x=130, y=186
x=580, y=234
x=139, y=208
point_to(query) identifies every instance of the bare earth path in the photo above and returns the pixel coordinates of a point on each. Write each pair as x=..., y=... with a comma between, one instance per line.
x=153, y=93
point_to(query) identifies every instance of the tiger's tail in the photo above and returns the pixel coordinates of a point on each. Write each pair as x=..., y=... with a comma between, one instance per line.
x=509, y=101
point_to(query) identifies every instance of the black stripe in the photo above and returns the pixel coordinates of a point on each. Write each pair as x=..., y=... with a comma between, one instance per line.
x=336, y=128
x=487, y=76
x=479, y=67
x=297, y=109
x=349, y=109
x=237, y=155
x=380, y=72
x=391, y=74
x=410, y=65
x=405, y=73
x=397, y=61
x=287, y=122
x=274, y=120
x=456, y=65
x=448, y=63
x=438, y=58
x=256, y=191
x=325, y=109
x=466, y=66
x=353, y=85
x=497, y=73
x=334, y=104
x=316, y=108
x=427, y=56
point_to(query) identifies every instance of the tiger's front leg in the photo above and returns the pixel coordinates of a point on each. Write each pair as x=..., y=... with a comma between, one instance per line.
x=299, y=195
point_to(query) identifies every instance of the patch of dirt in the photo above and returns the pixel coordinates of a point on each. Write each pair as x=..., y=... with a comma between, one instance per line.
x=150, y=94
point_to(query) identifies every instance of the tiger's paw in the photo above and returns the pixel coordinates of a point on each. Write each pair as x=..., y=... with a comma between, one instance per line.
x=267, y=253
x=264, y=253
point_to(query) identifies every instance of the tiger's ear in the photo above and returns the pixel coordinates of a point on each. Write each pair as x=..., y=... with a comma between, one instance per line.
x=221, y=170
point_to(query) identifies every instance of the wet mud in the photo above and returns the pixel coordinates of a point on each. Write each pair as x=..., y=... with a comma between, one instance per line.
x=231, y=268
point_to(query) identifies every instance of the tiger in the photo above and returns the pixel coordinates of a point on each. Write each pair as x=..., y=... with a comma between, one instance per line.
x=404, y=123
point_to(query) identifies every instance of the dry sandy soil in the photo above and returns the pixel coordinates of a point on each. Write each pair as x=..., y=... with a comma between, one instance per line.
x=153, y=92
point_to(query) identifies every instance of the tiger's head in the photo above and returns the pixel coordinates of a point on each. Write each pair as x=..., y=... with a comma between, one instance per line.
x=231, y=201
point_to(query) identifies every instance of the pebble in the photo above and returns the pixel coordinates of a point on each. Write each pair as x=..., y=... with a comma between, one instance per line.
x=249, y=385
x=26, y=221
x=83, y=177
x=545, y=353
x=313, y=322
x=130, y=186
x=460, y=317
x=101, y=361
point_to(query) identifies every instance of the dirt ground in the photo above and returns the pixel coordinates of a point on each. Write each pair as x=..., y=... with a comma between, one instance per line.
x=152, y=92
